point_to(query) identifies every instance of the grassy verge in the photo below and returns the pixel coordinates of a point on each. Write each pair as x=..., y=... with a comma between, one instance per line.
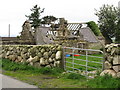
x=55, y=78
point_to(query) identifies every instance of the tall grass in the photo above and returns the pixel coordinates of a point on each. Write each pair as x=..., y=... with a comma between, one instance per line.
x=106, y=81
x=13, y=66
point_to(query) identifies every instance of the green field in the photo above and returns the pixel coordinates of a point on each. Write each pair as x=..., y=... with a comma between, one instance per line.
x=75, y=59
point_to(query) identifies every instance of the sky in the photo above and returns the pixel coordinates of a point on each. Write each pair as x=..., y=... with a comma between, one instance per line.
x=13, y=12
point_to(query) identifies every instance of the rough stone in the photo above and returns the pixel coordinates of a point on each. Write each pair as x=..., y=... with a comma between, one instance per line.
x=107, y=65
x=116, y=68
x=35, y=59
x=52, y=65
x=48, y=66
x=30, y=59
x=109, y=72
x=116, y=60
x=46, y=62
x=46, y=55
x=42, y=51
x=23, y=56
x=23, y=60
x=59, y=48
x=10, y=48
x=8, y=53
x=108, y=49
x=118, y=74
x=12, y=57
x=42, y=61
x=113, y=50
x=107, y=46
x=53, y=56
x=54, y=50
x=58, y=55
x=19, y=58
x=24, y=50
x=56, y=63
x=3, y=55
x=50, y=60
x=39, y=55
x=31, y=63
x=37, y=64
x=34, y=55
x=110, y=58
x=50, y=53
x=18, y=52
x=117, y=51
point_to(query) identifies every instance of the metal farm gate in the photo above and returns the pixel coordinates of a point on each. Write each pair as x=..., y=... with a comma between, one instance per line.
x=82, y=60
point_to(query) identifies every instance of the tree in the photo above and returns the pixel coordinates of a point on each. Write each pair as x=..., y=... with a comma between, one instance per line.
x=117, y=39
x=34, y=17
x=108, y=22
x=94, y=27
x=48, y=20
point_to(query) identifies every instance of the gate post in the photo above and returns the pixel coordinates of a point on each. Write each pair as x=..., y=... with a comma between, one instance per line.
x=63, y=59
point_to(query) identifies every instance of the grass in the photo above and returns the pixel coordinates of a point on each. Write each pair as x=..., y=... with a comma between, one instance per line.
x=13, y=66
x=83, y=57
x=55, y=78
x=105, y=81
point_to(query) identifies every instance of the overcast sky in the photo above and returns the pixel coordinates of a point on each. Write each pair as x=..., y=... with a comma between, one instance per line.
x=13, y=11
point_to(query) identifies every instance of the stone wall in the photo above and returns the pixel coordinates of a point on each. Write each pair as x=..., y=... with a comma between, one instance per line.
x=112, y=60
x=36, y=55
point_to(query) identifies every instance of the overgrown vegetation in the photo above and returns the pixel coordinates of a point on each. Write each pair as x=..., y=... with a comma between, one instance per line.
x=43, y=77
x=94, y=27
x=13, y=66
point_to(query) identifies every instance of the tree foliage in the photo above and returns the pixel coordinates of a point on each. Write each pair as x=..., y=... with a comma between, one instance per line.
x=34, y=17
x=94, y=27
x=109, y=22
x=48, y=19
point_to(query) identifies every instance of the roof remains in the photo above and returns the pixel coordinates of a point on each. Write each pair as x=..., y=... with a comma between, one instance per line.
x=88, y=35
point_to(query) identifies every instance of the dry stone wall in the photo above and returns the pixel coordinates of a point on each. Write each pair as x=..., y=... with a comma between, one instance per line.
x=36, y=55
x=112, y=60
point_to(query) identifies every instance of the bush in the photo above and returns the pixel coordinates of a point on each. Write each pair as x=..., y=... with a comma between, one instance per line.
x=94, y=27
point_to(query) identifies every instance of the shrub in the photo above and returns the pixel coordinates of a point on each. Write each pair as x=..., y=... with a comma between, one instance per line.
x=94, y=27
